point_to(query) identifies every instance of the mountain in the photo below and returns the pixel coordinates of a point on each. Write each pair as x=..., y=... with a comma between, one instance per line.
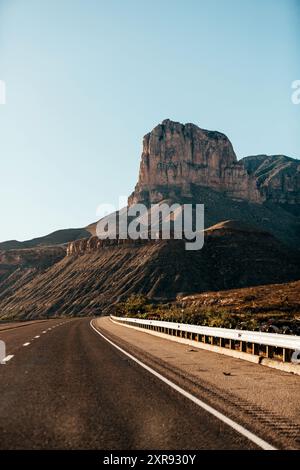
x=186, y=164
x=277, y=178
x=58, y=237
x=176, y=158
x=252, y=232
x=96, y=274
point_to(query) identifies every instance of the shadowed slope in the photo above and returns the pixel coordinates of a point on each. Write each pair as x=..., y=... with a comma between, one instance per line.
x=90, y=283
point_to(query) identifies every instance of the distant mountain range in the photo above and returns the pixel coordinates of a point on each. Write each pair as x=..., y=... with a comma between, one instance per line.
x=58, y=237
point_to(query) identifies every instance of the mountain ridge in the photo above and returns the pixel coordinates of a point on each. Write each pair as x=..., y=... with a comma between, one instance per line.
x=90, y=281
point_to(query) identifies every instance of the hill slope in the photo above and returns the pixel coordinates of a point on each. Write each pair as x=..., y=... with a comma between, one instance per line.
x=89, y=283
x=58, y=237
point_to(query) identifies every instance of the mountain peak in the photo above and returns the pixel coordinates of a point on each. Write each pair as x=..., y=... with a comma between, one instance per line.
x=180, y=159
x=177, y=156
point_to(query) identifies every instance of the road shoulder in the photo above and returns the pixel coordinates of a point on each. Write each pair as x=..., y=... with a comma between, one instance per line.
x=257, y=397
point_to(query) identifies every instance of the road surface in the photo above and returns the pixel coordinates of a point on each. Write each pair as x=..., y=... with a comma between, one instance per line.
x=65, y=387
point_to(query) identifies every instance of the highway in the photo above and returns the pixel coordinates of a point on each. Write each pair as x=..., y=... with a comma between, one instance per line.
x=64, y=386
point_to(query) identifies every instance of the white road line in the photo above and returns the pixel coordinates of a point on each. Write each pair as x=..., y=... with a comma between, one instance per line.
x=237, y=427
x=7, y=358
x=26, y=344
x=44, y=331
x=37, y=336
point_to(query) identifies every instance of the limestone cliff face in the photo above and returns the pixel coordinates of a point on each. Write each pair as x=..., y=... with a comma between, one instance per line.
x=177, y=157
x=93, y=244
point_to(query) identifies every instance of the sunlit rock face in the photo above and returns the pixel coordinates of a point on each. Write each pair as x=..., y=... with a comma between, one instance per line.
x=177, y=158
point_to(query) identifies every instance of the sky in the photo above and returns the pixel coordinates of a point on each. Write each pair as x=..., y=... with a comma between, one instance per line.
x=86, y=79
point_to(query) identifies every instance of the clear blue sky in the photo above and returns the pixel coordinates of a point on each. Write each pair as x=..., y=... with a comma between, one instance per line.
x=86, y=79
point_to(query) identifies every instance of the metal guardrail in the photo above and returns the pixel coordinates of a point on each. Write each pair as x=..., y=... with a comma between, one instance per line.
x=255, y=342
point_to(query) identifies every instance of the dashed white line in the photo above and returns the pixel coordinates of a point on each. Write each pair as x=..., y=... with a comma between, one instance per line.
x=237, y=427
x=7, y=358
x=26, y=344
x=37, y=336
x=44, y=331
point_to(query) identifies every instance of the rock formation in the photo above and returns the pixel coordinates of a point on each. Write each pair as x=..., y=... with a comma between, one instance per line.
x=179, y=159
x=277, y=177
x=92, y=244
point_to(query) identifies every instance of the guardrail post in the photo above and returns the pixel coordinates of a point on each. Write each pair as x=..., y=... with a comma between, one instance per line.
x=286, y=355
x=269, y=351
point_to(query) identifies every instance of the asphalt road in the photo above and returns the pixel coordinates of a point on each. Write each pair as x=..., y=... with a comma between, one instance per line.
x=70, y=389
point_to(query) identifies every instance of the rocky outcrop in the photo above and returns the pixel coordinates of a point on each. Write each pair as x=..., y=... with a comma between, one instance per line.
x=277, y=177
x=176, y=158
x=92, y=244
x=179, y=159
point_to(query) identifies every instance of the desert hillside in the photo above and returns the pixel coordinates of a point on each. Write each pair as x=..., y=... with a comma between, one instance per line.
x=89, y=281
x=58, y=237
